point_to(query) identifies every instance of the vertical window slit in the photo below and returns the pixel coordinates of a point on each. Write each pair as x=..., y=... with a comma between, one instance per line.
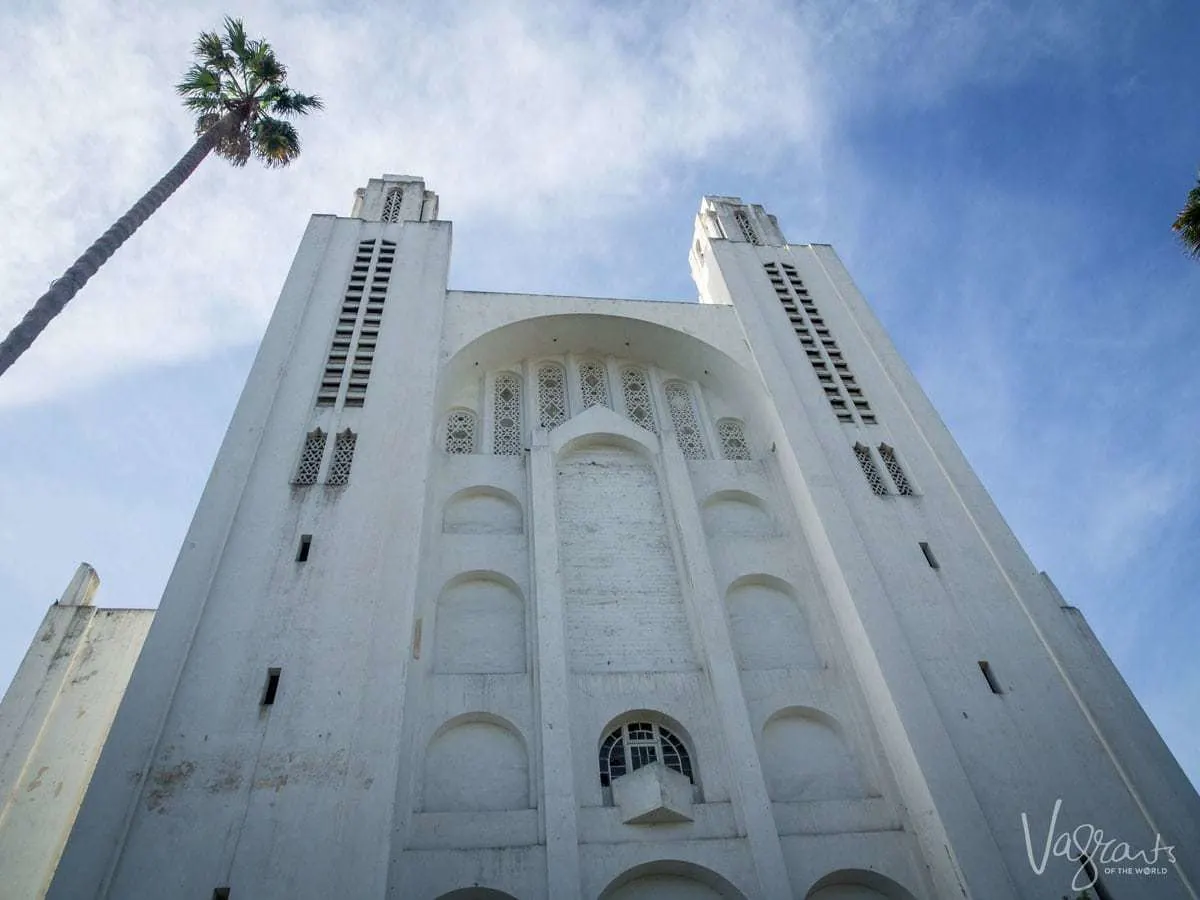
x=986, y=668
x=272, y=687
x=929, y=557
x=302, y=550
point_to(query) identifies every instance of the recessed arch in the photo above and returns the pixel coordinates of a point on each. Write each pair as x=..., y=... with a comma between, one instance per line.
x=476, y=893
x=857, y=884
x=719, y=367
x=737, y=513
x=482, y=509
x=479, y=627
x=767, y=624
x=476, y=761
x=670, y=879
x=805, y=757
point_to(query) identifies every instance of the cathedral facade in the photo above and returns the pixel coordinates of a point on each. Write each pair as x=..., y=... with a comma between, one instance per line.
x=552, y=598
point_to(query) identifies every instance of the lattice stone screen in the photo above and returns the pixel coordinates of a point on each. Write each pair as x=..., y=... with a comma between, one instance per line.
x=391, y=205
x=461, y=431
x=683, y=417
x=870, y=470
x=593, y=384
x=310, y=458
x=747, y=227
x=733, y=439
x=637, y=399
x=343, y=458
x=506, y=437
x=903, y=485
x=552, y=395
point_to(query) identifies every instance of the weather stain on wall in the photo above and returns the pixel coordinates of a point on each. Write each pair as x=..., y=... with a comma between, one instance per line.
x=166, y=782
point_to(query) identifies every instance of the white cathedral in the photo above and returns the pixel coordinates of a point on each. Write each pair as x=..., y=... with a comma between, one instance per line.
x=563, y=598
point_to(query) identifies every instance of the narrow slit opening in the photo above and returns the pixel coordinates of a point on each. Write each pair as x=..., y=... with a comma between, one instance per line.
x=986, y=668
x=272, y=687
x=305, y=546
x=929, y=557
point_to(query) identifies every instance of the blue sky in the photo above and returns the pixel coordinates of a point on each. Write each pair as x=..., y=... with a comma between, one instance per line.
x=999, y=178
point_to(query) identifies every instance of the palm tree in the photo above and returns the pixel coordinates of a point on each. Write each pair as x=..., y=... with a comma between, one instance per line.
x=236, y=88
x=1187, y=223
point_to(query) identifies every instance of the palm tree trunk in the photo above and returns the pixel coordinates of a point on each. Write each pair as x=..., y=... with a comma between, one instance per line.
x=51, y=303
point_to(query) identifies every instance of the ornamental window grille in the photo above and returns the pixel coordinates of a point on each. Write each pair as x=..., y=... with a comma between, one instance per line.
x=870, y=470
x=683, y=417
x=310, y=458
x=391, y=205
x=506, y=404
x=638, y=744
x=552, y=395
x=746, y=226
x=892, y=464
x=638, y=405
x=343, y=459
x=733, y=439
x=593, y=384
x=461, y=430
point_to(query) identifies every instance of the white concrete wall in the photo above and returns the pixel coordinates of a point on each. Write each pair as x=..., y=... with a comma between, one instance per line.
x=53, y=722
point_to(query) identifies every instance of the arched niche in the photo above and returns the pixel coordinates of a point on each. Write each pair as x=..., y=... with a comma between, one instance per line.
x=475, y=762
x=857, y=884
x=767, y=625
x=480, y=626
x=805, y=757
x=737, y=514
x=476, y=893
x=670, y=879
x=482, y=509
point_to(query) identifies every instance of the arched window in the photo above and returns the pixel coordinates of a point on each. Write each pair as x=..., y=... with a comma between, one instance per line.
x=310, y=458
x=637, y=399
x=637, y=744
x=870, y=470
x=593, y=384
x=391, y=205
x=506, y=403
x=683, y=417
x=343, y=458
x=733, y=439
x=461, y=431
x=552, y=395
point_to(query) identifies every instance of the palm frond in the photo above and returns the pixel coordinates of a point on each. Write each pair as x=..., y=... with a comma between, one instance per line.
x=235, y=38
x=1187, y=223
x=199, y=80
x=211, y=51
x=276, y=142
x=283, y=101
x=203, y=103
x=264, y=66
